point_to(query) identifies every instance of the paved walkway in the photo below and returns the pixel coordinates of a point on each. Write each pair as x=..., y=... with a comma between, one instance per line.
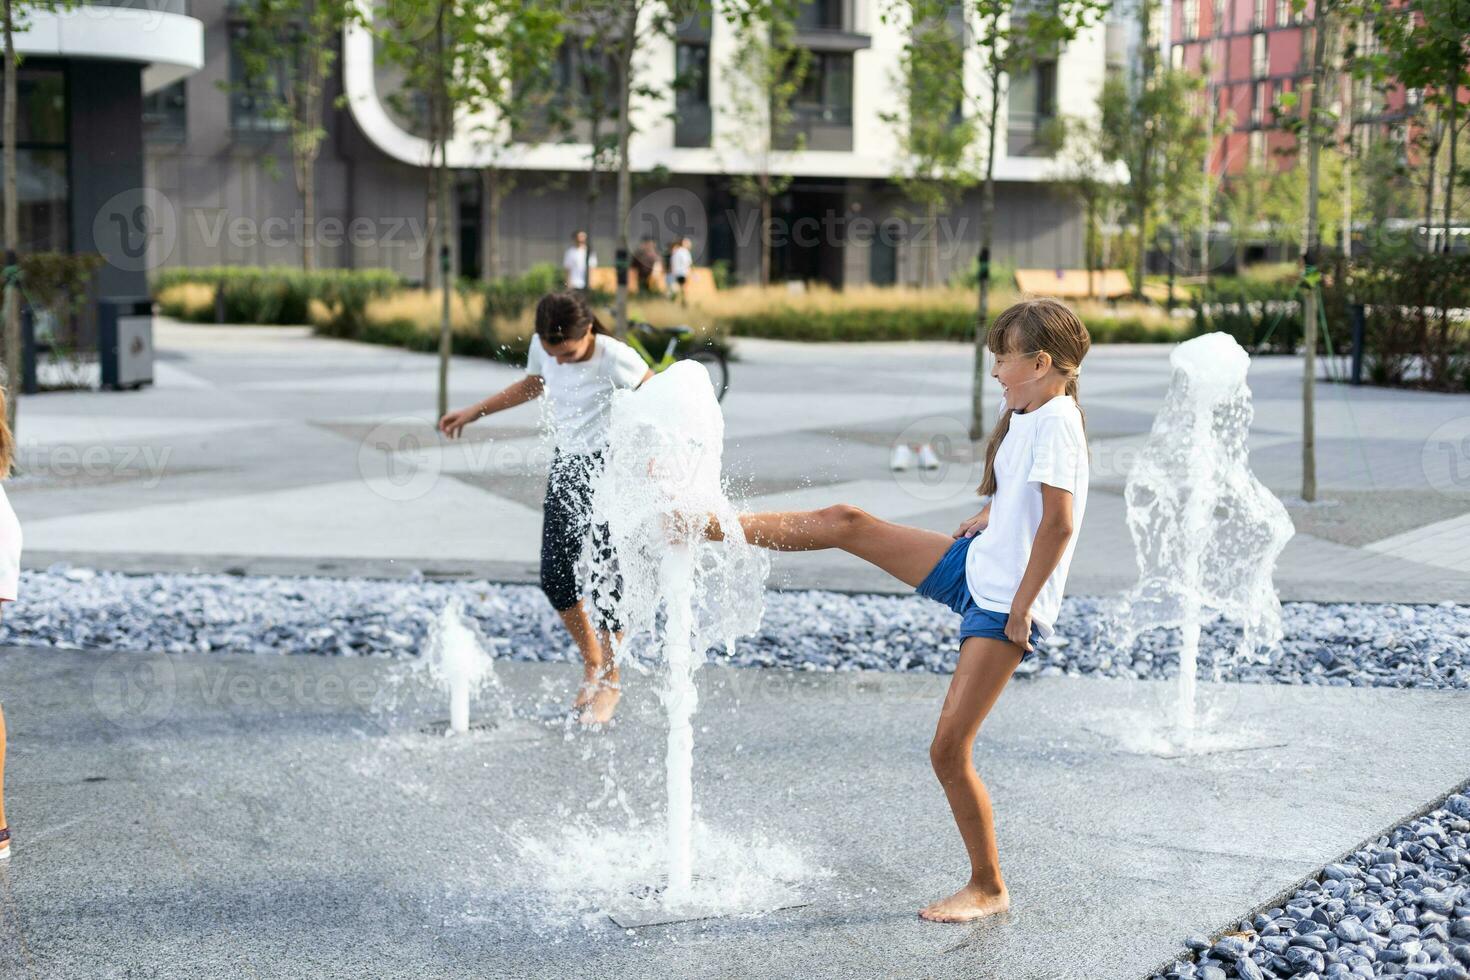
x=244, y=816
x=267, y=449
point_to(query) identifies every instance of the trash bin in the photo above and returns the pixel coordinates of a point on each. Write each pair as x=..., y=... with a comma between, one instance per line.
x=125, y=341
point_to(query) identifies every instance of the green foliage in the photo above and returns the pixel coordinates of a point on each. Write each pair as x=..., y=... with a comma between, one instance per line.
x=57, y=281
x=1411, y=334
x=282, y=296
x=767, y=69
x=1263, y=316
x=921, y=324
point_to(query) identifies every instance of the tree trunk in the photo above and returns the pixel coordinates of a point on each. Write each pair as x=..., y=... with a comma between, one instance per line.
x=982, y=315
x=1310, y=262
x=14, y=356
x=1142, y=175
x=594, y=187
x=308, y=213
x=1429, y=193
x=765, y=241
x=1449, y=185
x=490, y=191
x=625, y=176
x=1091, y=247
x=441, y=235
x=931, y=274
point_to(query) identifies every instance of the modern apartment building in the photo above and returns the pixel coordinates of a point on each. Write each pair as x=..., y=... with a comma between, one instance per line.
x=210, y=150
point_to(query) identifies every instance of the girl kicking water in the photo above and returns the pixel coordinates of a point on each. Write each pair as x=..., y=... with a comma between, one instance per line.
x=575, y=363
x=1003, y=570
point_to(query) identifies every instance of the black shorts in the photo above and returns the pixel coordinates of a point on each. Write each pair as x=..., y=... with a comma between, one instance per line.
x=566, y=529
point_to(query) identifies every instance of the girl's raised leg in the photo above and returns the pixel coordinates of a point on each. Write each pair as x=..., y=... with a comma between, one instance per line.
x=906, y=553
x=985, y=666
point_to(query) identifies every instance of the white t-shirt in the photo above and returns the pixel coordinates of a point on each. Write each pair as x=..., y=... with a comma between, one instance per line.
x=680, y=262
x=9, y=549
x=577, y=399
x=576, y=262
x=1047, y=445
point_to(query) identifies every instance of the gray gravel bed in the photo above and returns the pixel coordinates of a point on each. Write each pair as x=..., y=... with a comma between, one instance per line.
x=1337, y=644
x=1399, y=907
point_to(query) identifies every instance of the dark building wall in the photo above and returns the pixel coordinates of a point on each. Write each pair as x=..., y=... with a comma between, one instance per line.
x=106, y=163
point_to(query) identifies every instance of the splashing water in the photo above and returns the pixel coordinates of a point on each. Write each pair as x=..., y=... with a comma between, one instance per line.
x=455, y=658
x=1206, y=531
x=676, y=590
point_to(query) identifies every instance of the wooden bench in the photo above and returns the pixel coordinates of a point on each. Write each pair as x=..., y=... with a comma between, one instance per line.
x=1074, y=283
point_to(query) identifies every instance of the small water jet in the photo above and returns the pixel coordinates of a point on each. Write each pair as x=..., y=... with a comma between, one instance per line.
x=1206, y=531
x=674, y=590
x=455, y=659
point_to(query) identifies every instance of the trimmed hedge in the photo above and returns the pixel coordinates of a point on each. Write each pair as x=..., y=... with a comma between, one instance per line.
x=928, y=324
x=269, y=296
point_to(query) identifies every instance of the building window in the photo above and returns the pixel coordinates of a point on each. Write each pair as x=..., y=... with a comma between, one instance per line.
x=1283, y=12
x=578, y=73
x=693, y=120
x=253, y=101
x=1031, y=106
x=821, y=110
x=41, y=161
x=1258, y=149
x=164, y=114
x=1189, y=14
x=1258, y=56
x=820, y=15
x=1258, y=15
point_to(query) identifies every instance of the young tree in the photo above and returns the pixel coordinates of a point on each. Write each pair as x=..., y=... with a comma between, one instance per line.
x=13, y=18
x=935, y=136
x=766, y=71
x=1426, y=48
x=1011, y=36
x=289, y=49
x=1086, y=178
x=506, y=82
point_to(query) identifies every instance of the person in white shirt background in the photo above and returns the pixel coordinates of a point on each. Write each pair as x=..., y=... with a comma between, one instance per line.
x=681, y=260
x=577, y=261
x=10, y=542
x=576, y=364
x=1003, y=570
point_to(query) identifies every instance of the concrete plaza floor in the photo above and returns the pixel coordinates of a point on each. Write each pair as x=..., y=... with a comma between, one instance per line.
x=267, y=449
x=259, y=816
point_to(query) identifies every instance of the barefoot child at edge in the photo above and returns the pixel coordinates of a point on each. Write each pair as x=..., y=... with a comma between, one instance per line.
x=1003, y=570
x=576, y=364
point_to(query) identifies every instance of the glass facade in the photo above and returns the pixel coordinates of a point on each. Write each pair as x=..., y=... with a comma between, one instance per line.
x=692, y=118
x=42, y=191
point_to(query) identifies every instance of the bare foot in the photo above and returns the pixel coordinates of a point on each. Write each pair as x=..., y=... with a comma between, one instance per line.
x=605, y=697
x=966, y=905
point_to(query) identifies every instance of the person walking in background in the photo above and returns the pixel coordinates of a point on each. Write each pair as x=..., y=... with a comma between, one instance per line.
x=10, y=542
x=578, y=261
x=681, y=260
x=646, y=263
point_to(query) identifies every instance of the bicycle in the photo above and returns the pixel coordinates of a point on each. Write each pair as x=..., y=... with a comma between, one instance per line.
x=645, y=337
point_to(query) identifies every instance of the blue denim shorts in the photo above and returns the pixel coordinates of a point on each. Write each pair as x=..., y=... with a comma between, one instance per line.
x=946, y=583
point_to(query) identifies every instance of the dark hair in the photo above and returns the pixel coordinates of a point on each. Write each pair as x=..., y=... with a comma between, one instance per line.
x=565, y=316
x=1033, y=326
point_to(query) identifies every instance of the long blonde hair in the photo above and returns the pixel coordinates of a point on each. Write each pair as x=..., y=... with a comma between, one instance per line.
x=1035, y=325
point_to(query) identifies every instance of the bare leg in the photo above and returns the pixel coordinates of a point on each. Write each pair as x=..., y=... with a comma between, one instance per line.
x=606, y=690
x=906, y=553
x=594, y=670
x=985, y=666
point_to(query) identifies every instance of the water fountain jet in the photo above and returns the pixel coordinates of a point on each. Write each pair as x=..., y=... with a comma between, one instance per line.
x=1206, y=531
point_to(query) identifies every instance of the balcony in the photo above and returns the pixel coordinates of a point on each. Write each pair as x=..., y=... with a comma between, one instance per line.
x=821, y=127
x=830, y=25
x=158, y=34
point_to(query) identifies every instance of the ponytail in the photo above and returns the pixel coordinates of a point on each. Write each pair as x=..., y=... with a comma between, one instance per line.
x=7, y=440
x=997, y=436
